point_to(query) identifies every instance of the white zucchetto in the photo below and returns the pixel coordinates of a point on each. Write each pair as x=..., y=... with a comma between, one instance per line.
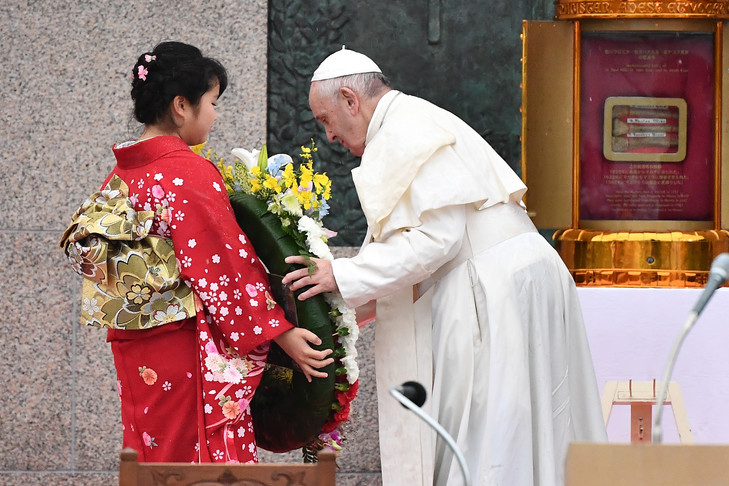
x=344, y=63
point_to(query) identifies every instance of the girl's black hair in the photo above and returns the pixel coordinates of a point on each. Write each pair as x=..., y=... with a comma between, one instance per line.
x=172, y=69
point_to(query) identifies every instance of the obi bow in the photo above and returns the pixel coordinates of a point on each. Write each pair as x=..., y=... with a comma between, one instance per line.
x=131, y=279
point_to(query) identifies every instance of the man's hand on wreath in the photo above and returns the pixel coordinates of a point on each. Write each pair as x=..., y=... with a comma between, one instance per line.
x=295, y=343
x=321, y=279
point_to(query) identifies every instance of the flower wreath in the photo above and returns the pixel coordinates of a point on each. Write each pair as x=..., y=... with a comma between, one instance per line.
x=280, y=208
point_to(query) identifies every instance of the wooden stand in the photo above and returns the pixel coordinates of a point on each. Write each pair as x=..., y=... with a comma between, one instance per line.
x=641, y=396
x=133, y=473
x=646, y=465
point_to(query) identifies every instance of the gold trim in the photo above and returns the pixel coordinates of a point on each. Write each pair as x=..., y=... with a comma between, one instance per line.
x=610, y=277
x=640, y=259
x=648, y=225
x=723, y=195
x=620, y=9
x=577, y=123
x=524, y=102
x=718, y=71
x=649, y=25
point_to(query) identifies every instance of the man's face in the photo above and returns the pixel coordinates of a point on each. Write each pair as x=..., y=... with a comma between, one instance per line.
x=341, y=123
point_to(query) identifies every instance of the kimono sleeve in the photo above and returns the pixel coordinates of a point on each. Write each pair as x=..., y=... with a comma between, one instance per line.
x=218, y=262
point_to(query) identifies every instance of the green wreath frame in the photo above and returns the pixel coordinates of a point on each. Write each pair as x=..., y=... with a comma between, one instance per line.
x=288, y=411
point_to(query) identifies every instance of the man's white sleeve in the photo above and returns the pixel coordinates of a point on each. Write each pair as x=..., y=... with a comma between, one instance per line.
x=403, y=259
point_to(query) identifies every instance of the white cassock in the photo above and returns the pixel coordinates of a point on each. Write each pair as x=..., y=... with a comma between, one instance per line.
x=495, y=333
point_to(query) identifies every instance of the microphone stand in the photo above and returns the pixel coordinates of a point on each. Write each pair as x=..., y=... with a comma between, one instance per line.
x=718, y=275
x=405, y=402
x=657, y=427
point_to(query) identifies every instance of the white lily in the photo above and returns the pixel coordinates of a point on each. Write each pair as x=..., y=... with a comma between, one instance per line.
x=249, y=158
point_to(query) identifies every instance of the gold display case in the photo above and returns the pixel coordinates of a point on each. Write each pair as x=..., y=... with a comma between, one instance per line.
x=624, y=142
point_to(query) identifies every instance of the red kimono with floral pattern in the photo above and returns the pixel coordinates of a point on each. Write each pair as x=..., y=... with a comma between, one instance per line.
x=185, y=387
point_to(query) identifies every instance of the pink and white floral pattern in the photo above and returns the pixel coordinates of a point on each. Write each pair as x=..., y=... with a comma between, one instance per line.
x=235, y=319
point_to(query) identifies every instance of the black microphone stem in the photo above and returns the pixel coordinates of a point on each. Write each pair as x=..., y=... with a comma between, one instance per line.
x=438, y=428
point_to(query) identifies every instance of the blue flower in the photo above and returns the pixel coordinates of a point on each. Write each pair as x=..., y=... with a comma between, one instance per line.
x=276, y=162
x=323, y=208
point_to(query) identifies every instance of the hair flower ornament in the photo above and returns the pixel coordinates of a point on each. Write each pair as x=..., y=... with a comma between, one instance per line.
x=142, y=72
x=149, y=58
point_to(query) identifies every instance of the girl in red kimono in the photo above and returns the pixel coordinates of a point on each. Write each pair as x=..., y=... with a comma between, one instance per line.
x=185, y=386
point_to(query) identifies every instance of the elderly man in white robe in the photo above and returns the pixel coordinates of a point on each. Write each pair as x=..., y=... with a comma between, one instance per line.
x=471, y=301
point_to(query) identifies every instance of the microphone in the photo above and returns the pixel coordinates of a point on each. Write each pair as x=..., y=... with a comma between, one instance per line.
x=718, y=275
x=412, y=392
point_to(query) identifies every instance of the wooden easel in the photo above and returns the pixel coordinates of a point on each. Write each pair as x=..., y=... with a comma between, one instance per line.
x=641, y=396
x=134, y=473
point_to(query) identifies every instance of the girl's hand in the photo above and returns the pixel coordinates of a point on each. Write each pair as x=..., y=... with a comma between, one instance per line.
x=295, y=342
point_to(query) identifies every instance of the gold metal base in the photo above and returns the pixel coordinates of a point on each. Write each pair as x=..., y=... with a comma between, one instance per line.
x=633, y=259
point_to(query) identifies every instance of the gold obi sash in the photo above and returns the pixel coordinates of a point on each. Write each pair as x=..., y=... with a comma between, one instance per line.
x=131, y=279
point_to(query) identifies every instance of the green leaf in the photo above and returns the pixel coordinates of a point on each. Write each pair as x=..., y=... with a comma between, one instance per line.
x=310, y=265
x=286, y=415
x=263, y=158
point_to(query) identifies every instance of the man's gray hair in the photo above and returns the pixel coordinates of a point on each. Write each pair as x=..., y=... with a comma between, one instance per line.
x=364, y=84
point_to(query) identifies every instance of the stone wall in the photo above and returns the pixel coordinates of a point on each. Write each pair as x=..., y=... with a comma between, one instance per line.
x=65, y=101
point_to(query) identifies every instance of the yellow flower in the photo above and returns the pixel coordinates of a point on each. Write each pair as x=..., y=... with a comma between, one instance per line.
x=306, y=152
x=305, y=198
x=289, y=178
x=323, y=185
x=198, y=148
x=271, y=183
x=227, y=172
x=306, y=175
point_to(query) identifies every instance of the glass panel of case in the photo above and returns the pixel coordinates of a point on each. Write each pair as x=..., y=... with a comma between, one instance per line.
x=647, y=126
